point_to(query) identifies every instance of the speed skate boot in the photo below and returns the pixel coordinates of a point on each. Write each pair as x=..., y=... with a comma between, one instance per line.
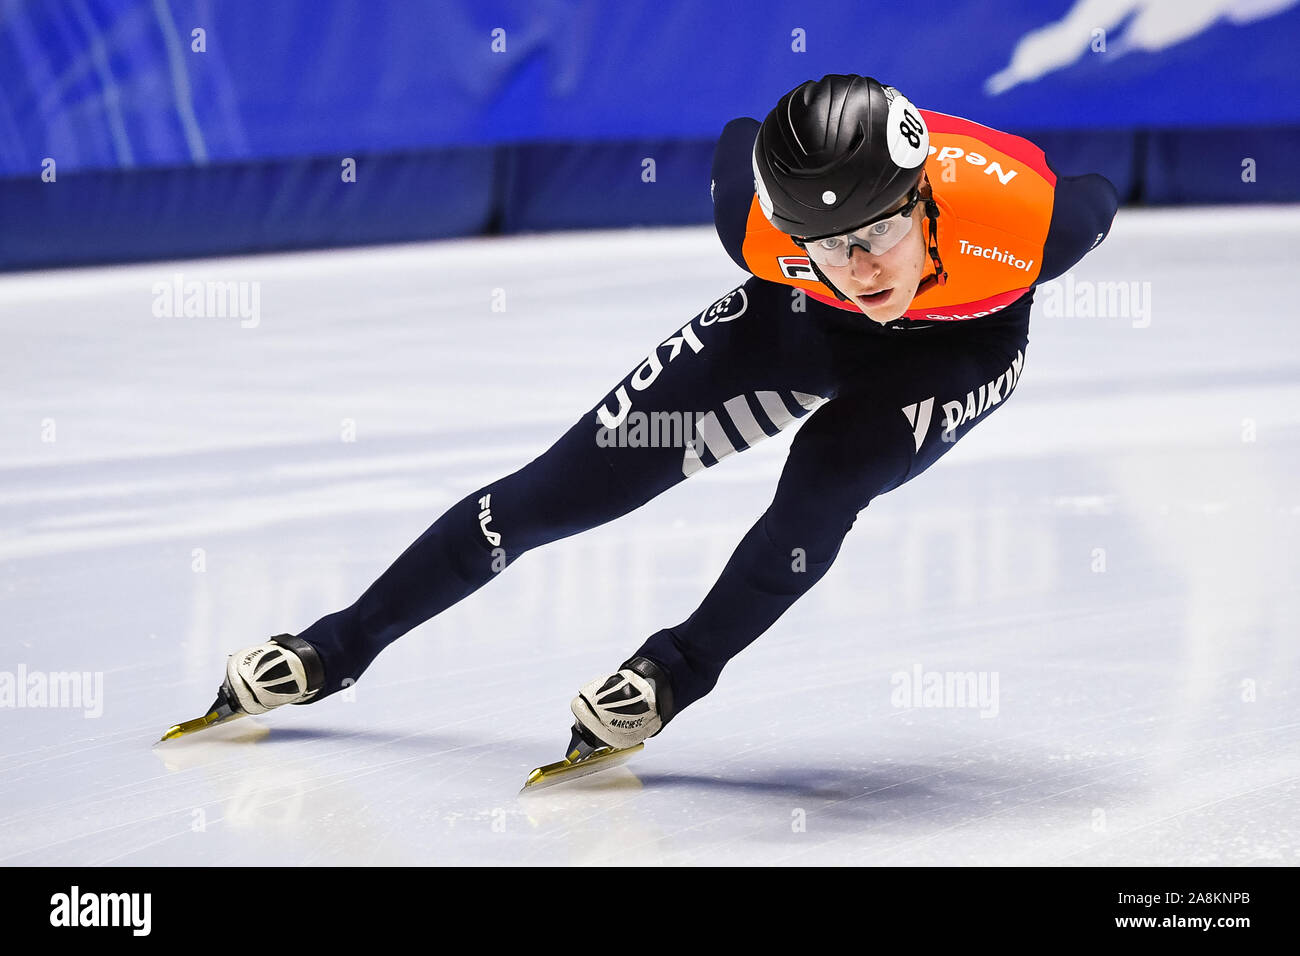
x=613, y=716
x=622, y=710
x=284, y=670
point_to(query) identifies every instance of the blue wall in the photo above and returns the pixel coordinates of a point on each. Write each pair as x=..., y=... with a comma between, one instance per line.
x=160, y=149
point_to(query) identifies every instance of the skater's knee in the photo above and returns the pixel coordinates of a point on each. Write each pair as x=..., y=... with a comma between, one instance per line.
x=832, y=474
x=810, y=520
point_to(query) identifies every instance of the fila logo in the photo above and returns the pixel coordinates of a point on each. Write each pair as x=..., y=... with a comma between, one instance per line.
x=484, y=516
x=796, y=267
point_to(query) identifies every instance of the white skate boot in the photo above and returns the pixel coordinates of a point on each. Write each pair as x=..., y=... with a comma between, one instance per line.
x=275, y=673
x=284, y=670
x=613, y=716
x=624, y=709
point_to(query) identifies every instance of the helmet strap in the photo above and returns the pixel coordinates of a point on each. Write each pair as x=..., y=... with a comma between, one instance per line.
x=940, y=276
x=821, y=276
x=827, y=282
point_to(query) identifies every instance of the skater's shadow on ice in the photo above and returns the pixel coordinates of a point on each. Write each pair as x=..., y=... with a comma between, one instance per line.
x=809, y=783
x=909, y=789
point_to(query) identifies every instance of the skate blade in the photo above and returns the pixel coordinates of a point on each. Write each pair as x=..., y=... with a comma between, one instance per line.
x=210, y=719
x=563, y=771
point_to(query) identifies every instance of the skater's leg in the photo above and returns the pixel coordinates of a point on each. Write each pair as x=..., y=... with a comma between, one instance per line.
x=858, y=446
x=564, y=491
x=837, y=464
x=743, y=369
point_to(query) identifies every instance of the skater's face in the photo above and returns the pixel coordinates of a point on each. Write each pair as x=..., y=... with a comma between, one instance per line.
x=883, y=286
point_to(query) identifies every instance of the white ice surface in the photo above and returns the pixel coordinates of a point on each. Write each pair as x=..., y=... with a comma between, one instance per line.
x=1147, y=713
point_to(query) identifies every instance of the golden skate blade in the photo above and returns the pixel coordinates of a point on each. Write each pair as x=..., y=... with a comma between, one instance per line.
x=564, y=770
x=210, y=719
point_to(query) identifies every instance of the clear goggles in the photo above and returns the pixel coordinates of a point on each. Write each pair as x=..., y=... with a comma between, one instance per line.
x=875, y=238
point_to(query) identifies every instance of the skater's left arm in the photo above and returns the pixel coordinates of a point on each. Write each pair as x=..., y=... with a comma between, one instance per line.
x=1083, y=209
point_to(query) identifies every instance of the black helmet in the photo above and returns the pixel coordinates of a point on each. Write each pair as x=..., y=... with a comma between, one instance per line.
x=837, y=153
